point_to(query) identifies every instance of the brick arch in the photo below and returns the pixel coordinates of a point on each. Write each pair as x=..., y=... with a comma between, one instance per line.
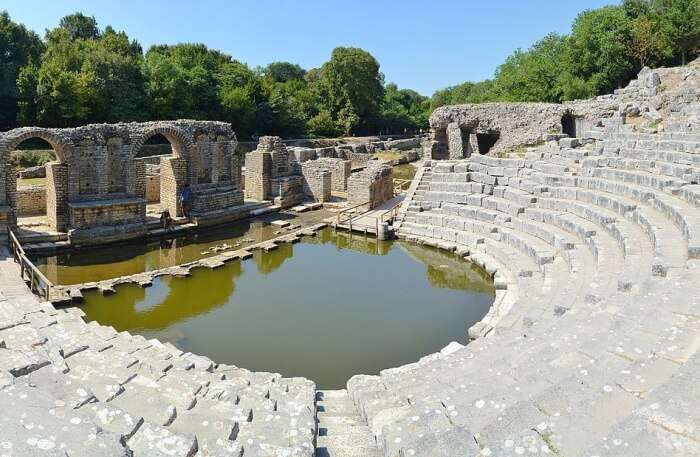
x=181, y=142
x=15, y=137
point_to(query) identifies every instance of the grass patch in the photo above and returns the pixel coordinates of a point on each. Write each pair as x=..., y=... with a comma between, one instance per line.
x=388, y=155
x=31, y=182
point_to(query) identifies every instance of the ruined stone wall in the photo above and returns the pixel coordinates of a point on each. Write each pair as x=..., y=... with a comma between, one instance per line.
x=651, y=97
x=340, y=170
x=374, y=184
x=98, y=164
x=153, y=188
x=316, y=181
x=273, y=173
x=31, y=201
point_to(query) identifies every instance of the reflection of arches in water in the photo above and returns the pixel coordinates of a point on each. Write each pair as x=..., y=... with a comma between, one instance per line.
x=269, y=261
x=447, y=271
x=187, y=297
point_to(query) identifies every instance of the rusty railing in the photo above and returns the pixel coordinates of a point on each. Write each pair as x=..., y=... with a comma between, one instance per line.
x=35, y=279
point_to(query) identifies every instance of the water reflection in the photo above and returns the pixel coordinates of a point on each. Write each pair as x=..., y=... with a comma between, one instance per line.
x=91, y=264
x=320, y=308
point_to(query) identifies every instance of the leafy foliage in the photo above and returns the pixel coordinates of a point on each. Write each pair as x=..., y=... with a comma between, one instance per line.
x=81, y=74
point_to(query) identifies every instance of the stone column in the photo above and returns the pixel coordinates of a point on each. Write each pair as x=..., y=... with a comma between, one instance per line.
x=236, y=171
x=473, y=145
x=57, y=196
x=11, y=194
x=455, y=143
x=173, y=176
x=258, y=167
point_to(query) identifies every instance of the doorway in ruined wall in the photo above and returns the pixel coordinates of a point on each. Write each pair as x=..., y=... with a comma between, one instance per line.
x=154, y=150
x=35, y=197
x=486, y=141
x=571, y=125
x=440, y=150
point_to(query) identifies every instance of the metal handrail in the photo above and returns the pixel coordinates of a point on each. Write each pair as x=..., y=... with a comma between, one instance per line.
x=37, y=282
x=339, y=221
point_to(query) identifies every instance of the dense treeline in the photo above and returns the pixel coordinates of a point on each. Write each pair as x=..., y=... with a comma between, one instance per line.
x=79, y=74
x=605, y=49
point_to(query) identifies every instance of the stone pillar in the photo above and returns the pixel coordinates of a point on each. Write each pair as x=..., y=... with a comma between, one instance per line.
x=57, y=196
x=173, y=176
x=236, y=171
x=11, y=194
x=473, y=145
x=137, y=180
x=258, y=166
x=455, y=143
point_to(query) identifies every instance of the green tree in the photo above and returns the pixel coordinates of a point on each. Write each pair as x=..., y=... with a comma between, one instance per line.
x=80, y=27
x=532, y=75
x=350, y=87
x=597, y=56
x=183, y=81
x=19, y=47
x=468, y=92
x=403, y=110
x=81, y=80
x=648, y=43
x=284, y=71
x=680, y=22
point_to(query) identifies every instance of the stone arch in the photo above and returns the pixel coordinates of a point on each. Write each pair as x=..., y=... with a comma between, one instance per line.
x=56, y=174
x=181, y=142
x=15, y=137
x=173, y=174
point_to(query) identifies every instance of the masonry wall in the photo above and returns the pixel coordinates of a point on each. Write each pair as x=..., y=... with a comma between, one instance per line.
x=153, y=188
x=31, y=201
x=374, y=184
x=317, y=181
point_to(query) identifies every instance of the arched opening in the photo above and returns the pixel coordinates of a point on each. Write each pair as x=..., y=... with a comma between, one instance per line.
x=569, y=125
x=486, y=141
x=156, y=153
x=32, y=187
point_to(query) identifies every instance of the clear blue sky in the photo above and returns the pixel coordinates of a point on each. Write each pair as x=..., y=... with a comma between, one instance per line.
x=423, y=45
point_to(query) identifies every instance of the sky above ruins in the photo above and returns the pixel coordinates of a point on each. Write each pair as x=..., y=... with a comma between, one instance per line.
x=422, y=45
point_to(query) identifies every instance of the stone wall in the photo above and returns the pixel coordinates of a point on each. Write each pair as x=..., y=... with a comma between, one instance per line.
x=462, y=130
x=98, y=165
x=153, y=188
x=340, y=170
x=273, y=173
x=374, y=184
x=31, y=201
x=317, y=181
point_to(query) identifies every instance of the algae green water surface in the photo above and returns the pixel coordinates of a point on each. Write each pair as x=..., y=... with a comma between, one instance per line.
x=327, y=308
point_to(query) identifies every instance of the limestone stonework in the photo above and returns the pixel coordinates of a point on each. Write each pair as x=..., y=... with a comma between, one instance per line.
x=97, y=171
x=492, y=128
x=373, y=185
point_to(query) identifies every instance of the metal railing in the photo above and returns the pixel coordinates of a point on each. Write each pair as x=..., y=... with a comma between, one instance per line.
x=401, y=185
x=35, y=279
x=350, y=214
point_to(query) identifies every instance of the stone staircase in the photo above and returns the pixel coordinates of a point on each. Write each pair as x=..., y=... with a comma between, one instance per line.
x=341, y=430
x=593, y=246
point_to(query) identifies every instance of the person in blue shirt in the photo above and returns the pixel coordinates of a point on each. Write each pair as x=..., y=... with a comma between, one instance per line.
x=186, y=200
